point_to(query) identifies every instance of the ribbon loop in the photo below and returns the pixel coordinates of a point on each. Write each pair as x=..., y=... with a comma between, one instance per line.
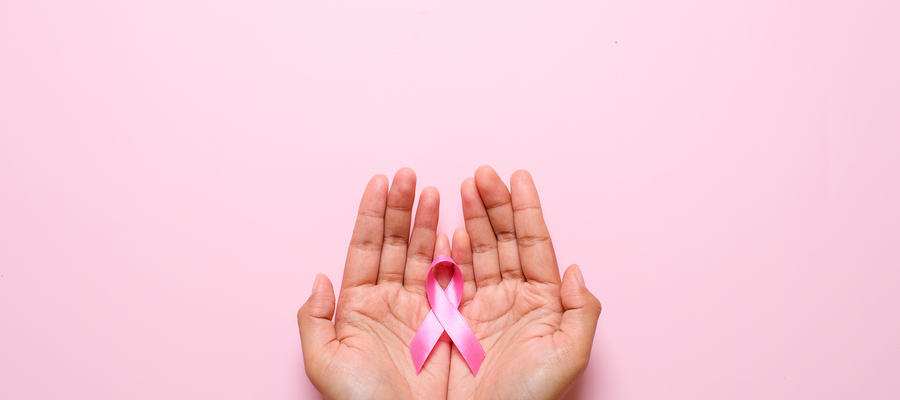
x=445, y=316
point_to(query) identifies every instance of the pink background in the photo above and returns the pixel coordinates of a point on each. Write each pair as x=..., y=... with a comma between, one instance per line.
x=174, y=173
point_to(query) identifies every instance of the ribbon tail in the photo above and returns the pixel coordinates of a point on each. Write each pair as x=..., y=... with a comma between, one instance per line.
x=465, y=340
x=426, y=337
x=472, y=352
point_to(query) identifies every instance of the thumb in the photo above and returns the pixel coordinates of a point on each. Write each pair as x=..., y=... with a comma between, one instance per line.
x=579, y=320
x=314, y=319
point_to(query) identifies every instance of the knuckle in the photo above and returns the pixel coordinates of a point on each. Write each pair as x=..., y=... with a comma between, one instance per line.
x=480, y=248
x=533, y=240
x=526, y=207
x=488, y=280
x=419, y=257
x=594, y=303
x=391, y=276
x=371, y=213
x=517, y=274
x=365, y=245
x=498, y=204
x=395, y=240
x=401, y=208
x=506, y=236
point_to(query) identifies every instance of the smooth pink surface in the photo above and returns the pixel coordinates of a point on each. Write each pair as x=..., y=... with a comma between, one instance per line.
x=174, y=173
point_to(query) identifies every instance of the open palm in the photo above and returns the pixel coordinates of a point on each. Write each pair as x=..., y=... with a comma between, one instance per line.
x=365, y=353
x=536, y=329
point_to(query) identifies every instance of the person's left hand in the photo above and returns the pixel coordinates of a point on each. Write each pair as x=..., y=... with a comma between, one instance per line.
x=536, y=329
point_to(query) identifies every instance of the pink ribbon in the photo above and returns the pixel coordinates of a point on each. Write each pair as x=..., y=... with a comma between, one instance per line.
x=445, y=316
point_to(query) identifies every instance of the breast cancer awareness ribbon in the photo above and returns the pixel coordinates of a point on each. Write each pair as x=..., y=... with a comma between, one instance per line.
x=445, y=316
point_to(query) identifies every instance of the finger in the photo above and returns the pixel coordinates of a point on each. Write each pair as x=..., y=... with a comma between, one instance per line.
x=579, y=320
x=441, y=245
x=533, y=239
x=364, y=254
x=499, y=208
x=421, y=243
x=442, y=248
x=462, y=254
x=397, y=216
x=483, y=242
x=316, y=329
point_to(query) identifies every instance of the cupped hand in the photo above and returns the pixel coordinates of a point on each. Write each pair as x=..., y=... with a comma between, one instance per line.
x=536, y=328
x=365, y=353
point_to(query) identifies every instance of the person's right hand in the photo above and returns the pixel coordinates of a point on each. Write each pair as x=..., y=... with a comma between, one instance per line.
x=365, y=353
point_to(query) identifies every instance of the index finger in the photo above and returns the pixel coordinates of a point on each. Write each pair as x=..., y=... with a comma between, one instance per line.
x=364, y=255
x=535, y=249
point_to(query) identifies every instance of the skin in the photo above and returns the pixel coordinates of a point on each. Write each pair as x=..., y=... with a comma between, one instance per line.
x=536, y=328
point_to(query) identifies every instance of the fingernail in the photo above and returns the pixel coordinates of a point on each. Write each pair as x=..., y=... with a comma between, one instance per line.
x=579, y=276
x=316, y=284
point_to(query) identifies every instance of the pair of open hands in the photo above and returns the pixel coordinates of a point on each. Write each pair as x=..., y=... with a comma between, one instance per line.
x=536, y=329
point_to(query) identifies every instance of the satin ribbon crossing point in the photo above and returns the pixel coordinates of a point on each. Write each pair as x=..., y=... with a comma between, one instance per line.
x=445, y=316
